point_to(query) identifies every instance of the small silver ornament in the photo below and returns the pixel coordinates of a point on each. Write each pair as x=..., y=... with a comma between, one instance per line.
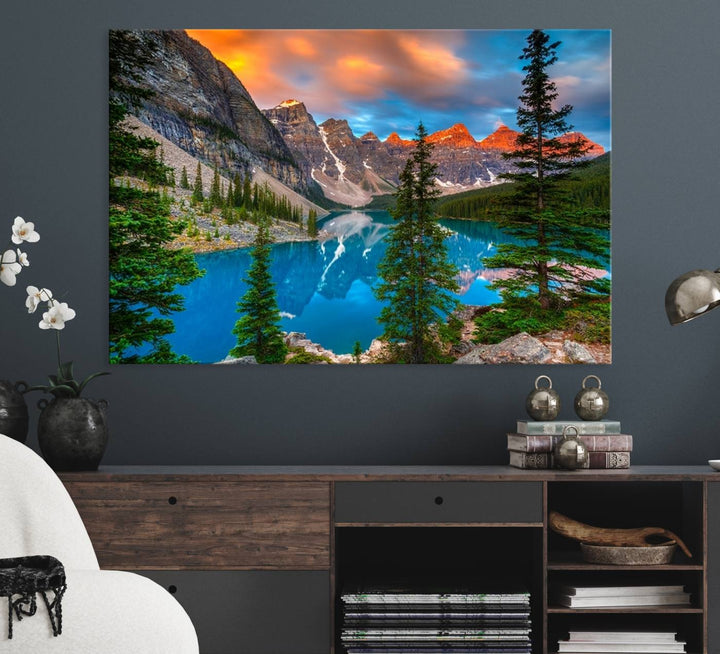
x=570, y=452
x=543, y=403
x=591, y=403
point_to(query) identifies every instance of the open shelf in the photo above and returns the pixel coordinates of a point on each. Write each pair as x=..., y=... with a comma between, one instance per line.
x=532, y=556
x=572, y=560
x=626, y=609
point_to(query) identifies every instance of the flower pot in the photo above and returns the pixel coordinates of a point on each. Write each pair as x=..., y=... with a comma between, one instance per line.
x=72, y=432
x=13, y=410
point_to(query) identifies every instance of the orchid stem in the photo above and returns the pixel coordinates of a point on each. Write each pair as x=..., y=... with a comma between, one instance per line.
x=57, y=334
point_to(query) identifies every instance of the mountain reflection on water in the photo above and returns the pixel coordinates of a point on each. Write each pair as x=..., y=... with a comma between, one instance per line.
x=324, y=288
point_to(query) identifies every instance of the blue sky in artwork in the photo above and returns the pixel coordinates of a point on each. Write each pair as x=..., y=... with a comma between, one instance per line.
x=388, y=80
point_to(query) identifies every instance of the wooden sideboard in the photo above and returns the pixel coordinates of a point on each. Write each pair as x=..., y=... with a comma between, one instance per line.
x=258, y=555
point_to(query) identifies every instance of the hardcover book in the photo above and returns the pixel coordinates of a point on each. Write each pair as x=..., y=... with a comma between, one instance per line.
x=596, y=460
x=555, y=427
x=593, y=442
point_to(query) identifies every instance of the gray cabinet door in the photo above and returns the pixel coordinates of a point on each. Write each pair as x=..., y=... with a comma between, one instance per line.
x=254, y=612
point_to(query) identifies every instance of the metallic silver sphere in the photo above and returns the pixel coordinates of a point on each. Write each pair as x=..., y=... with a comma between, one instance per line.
x=570, y=453
x=543, y=403
x=591, y=403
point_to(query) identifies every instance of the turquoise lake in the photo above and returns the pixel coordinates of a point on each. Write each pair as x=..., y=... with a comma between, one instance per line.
x=324, y=288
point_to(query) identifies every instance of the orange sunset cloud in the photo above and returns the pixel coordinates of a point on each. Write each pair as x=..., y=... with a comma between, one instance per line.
x=327, y=69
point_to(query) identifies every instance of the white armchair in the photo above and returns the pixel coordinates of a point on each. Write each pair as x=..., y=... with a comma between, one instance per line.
x=104, y=612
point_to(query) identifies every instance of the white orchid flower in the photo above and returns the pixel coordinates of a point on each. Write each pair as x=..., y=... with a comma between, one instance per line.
x=9, y=267
x=56, y=316
x=22, y=258
x=36, y=296
x=22, y=231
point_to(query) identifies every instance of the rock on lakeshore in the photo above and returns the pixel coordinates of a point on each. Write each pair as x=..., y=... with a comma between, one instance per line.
x=521, y=348
x=300, y=340
x=576, y=353
x=240, y=361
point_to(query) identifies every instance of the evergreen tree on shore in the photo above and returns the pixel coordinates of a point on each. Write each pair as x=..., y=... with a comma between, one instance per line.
x=555, y=242
x=258, y=329
x=417, y=278
x=144, y=272
x=312, y=229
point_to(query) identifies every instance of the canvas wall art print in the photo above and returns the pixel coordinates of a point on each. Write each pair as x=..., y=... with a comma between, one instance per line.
x=360, y=196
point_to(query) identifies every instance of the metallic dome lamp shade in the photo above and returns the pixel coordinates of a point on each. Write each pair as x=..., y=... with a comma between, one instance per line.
x=691, y=295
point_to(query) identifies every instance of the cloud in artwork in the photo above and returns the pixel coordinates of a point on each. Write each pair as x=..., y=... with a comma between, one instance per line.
x=388, y=80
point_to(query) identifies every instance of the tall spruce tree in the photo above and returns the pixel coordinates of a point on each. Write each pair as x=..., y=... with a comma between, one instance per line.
x=184, y=182
x=197, y=194
x=417, y=278
x=258, y=330
x=556, y=242
x=312, y=228
x=216, y=194
x=144, y=272
x=247, y=192
x=237, y=190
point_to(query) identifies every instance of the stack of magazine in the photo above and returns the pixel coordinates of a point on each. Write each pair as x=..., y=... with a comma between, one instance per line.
x=392, y=621
x=600, y=642
x=584, y=597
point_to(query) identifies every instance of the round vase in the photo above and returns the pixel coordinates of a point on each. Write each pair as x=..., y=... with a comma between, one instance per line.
x=13, y=410
x=72, y=432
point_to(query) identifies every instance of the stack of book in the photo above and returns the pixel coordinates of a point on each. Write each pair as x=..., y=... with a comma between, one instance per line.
x=531, y=446
x=383, y=621
x=584, y=597
x=597, y=642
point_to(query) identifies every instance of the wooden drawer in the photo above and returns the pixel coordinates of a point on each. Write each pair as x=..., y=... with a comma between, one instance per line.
x=218, y=525
x=461, y=502
x=254, y=611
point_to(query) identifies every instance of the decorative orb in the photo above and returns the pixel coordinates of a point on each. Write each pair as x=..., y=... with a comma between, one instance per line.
x=591, y=403
x=543, y=403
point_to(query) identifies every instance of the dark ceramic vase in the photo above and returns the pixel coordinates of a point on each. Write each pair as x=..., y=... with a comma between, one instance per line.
x=13, y=410
x=72, y=432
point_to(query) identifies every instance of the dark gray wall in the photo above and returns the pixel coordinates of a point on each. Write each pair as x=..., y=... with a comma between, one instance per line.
x=663, y=383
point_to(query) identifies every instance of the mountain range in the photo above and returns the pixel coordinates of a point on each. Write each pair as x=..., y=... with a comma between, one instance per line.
x=199, y=104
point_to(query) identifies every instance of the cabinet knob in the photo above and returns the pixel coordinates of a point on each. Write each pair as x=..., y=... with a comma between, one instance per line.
x=172, y=500
x=172, y=589
x=439, y=500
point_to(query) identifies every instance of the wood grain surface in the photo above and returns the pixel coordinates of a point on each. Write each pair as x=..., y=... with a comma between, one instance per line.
x=155, y=525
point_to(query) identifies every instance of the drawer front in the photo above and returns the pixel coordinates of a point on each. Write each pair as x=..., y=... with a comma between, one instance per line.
x=243, y=525
x=254, y=611
x=443, y=502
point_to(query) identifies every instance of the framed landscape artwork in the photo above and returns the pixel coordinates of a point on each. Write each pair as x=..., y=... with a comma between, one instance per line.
x=360, y=196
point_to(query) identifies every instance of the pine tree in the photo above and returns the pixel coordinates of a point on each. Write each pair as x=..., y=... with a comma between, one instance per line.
x=144, y=272
x=247, y=193
x=197, y=194
x=417, y=278
x=312, y=229
x=237, y=190
x=216, y=197
x=555, y=241
x=258, y=330
x=184, y=183
x=357, y=351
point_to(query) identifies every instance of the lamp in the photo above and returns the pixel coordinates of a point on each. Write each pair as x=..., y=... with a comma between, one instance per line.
x=691, y=295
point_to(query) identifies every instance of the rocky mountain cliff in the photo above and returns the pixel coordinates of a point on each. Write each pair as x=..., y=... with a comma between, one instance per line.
x=199, y=104
x=351, y=170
